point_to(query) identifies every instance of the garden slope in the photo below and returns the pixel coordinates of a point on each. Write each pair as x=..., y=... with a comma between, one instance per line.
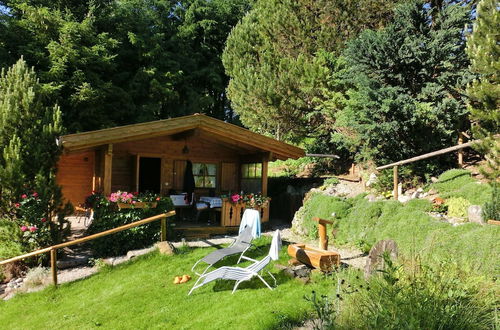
x=362, y=223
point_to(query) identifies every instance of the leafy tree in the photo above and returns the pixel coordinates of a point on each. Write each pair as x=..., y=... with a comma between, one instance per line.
x=483, y=48
x=407, y=84
x=277, y=59
x=29, y=127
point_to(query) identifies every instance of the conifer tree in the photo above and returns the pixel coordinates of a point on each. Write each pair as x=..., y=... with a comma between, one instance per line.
x=483, y=48
x=28, y=132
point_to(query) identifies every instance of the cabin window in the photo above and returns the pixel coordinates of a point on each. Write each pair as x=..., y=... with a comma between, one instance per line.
x=205, y=175
x=251, y=171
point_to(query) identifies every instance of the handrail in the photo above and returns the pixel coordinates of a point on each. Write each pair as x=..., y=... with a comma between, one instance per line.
x=460, y=146
x=52, y=249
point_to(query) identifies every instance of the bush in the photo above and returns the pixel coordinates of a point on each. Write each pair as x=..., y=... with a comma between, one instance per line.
x=459, y=183
x=457, y=207
x=491, y=209
x=10, y=239
x=37, y=276
x=322, y=206
x=438, y=297
x=108, y=216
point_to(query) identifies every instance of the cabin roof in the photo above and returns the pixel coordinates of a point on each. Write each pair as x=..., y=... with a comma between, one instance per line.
x=221, y=131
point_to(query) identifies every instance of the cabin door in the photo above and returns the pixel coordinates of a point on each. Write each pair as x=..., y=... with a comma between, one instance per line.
x=149, y=174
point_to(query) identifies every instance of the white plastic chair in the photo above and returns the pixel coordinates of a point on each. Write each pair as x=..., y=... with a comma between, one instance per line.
x=240, y=274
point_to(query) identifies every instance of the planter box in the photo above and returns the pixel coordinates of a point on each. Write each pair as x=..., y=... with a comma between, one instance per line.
x=138, y=205
x=231, y=214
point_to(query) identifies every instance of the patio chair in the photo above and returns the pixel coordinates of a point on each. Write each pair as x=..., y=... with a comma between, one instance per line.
x=239, y=274
x=241, y=244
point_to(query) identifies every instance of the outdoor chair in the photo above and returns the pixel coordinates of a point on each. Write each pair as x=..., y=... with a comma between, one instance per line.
x=239, y=274
x=241, y=244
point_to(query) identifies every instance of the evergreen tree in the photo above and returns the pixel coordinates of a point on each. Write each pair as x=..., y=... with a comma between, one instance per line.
x=28, y=131
x=483, y=48
x=407, y=84
x=277, y=56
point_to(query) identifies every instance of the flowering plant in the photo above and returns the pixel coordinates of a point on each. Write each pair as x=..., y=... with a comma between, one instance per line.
x=33, y=221
x=251, y=200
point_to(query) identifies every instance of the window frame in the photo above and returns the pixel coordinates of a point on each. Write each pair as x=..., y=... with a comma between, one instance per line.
x=197, y=175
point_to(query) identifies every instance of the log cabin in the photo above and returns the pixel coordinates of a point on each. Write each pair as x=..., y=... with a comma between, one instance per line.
x=152, y=157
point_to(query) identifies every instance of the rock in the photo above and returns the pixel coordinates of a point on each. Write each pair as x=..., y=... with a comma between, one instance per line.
x=434, y=179
x=474, y=214
x=410, y=192
x=404, y=199
x=166, y=248
x=375, y=259
x=302, y=271
x=371, y=197
x=371, y=180
x=432, y=192
x=417, y=194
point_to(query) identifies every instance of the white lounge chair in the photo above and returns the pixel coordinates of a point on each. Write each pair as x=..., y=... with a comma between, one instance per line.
x=240, y=274
x=240, y=245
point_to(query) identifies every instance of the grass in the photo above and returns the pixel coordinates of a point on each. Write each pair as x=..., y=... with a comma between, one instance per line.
x=140, y=294
x=459, y=183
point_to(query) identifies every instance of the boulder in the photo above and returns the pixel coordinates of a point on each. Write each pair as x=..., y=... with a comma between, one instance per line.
x=166, y=248
x=474, y=214
x=371, y=180
x=375, y=261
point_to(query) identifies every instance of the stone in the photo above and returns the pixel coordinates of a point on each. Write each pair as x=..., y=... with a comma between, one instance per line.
x=410, y=192
x=417, y=194
x=434, y=179
x=404, y=199
x=166, y=248
x=432, y=192
x=371, y=197
x=375, y=261
x=371, y=180
x=474, y=214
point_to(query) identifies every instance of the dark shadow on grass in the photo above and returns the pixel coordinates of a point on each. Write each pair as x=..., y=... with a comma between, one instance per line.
x=454, y=177
x=255, y=283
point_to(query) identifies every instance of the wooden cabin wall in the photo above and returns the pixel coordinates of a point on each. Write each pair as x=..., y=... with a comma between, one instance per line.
x=174, y=162
x=75, y=175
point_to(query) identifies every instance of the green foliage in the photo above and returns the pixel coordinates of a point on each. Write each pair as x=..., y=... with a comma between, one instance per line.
x=322, y=206
x=108, y=216
x=438, y=297
x=406, y=176
x=331, y=181
x=491, y=209
x=277, y=59
x=416, y=232
x=459, y=183
x=457, y=207
x=110, y=63
x=406, y=84
x=10, y=240
x=29, y=126
x=289, y=167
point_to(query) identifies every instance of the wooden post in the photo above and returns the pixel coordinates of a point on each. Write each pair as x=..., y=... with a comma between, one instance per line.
x=108, y=165
x=460, y=151
x=323, y=237
x=265, y=162
x=163, y=236
x=395, y=191
x=53, y=265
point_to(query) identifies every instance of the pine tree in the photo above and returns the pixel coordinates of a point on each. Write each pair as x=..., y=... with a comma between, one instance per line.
x=28, y=132
x=483, y=48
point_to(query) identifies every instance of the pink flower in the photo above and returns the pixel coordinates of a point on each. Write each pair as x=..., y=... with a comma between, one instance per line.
x=17, y=205
x=235, y=198
x=124, y=194
x=35, y=194
x=44, y=220
x=24, y=196
x=33, y=229
x=24, y=228
x=133, y=202
x=158, y=198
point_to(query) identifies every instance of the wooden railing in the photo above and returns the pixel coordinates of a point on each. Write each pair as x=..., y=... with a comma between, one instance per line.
x=459, y=147
x=53, y=249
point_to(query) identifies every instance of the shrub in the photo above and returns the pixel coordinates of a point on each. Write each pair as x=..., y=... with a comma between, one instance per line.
x=108, y=216
x=457, y=207
x=322, y=206
x=331, y=181
x=10, y=239
x=422, y=297
x=491, y=209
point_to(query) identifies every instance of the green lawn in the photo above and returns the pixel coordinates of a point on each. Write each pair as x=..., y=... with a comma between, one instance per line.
x=140, y=294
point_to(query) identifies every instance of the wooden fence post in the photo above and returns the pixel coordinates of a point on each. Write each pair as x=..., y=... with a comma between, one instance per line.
x=53, y=265
x=395, y=191
x=323, y=237
x=163, y=223
x=460, y=151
